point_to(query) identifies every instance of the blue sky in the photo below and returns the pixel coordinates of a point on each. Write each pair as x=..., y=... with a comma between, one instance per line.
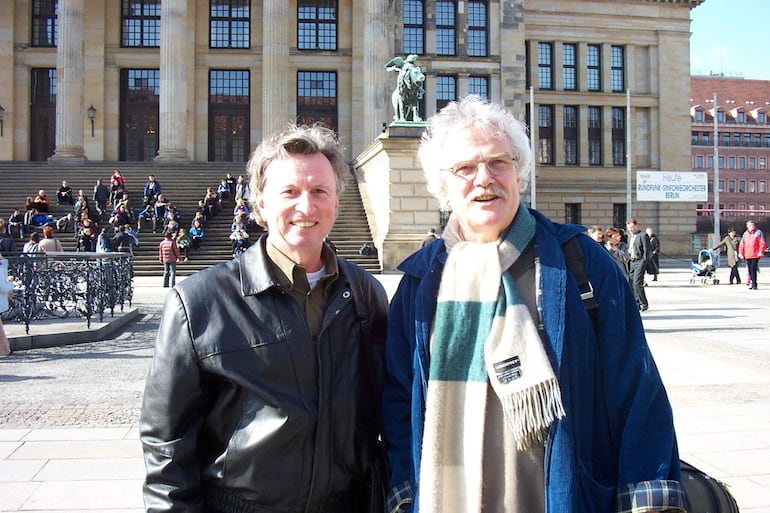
x=731, y=37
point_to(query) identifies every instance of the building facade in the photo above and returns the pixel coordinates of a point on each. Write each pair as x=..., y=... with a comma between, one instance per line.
x=203, y=80
x=742, y=149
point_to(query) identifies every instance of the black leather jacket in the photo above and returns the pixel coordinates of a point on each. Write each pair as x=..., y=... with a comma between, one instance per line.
x=232, y=414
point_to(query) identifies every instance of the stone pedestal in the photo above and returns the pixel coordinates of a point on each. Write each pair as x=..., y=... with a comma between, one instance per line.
x=398, y=206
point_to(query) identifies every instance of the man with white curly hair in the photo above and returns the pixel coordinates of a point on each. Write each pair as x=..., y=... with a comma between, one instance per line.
x=502, y=394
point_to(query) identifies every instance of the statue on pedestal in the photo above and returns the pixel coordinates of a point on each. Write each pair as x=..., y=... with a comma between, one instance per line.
x=408, y=90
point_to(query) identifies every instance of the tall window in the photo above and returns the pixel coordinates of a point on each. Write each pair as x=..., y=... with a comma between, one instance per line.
x=139, y=114
x=618, y=136
x=445, y=28
x=617, y=69
x=545, y=65
x=317, y=25
x=478, y=86
x=44, y=23
x=594, y=68
x=317, y=98
x=140, y=23
x=569, y=66
x=229, y=24
x=42, y=139
x=446, y=90
x=545, y=134
x=699, y=162
x=477, y=28
x=761, y=118
x=595, y=136
x=571, y=135
x=619, y=215
x=414, y=26
x=699, y=116
x=229, y=124
x=572, y=213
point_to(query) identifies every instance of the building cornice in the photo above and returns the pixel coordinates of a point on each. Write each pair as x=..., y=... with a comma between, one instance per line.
x=691, y=3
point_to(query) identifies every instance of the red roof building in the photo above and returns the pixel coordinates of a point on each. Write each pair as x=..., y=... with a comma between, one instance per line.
x=742, y=149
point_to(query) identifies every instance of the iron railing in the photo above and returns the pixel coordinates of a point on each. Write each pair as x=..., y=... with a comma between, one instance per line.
x=61, y=285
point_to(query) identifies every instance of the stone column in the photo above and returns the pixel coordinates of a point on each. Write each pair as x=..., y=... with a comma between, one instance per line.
x=377, y=51
x=70, y=67
x=275, y=62
x=513, y=75
x=173, y=82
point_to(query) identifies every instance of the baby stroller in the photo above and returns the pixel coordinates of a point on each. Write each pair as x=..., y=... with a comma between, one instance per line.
x=704, y=269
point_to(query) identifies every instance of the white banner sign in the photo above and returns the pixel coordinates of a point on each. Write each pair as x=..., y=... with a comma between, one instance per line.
x=671, y=186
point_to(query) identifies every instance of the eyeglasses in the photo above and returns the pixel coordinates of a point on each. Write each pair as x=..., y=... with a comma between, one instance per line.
x=497, y=165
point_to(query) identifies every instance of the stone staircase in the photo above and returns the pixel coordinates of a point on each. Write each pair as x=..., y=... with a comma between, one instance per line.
x=183, y=185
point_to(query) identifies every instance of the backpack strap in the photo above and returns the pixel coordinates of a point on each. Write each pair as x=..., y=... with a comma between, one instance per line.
x=573, y=256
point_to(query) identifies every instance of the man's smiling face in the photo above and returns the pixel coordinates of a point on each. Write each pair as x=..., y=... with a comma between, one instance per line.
x=299, y=205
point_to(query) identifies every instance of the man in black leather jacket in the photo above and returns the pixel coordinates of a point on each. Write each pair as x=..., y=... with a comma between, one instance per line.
x=264, y=392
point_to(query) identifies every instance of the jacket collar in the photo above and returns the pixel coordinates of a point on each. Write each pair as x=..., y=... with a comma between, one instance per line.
x=256, y=270
x=258, y=273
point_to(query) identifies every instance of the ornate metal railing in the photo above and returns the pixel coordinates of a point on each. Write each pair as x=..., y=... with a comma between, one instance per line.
x=60, y=285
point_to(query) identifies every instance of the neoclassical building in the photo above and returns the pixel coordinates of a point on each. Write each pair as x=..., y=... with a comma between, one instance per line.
x=174, y=81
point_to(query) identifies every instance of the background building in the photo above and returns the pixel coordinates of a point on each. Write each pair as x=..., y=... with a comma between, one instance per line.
x=202, y=80
x=743, y=149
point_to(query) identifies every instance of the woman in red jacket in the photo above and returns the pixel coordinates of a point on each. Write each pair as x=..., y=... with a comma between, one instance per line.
x=752, y=248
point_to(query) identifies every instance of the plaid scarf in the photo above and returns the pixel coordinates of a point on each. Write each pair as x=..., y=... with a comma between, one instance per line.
x=483, y=334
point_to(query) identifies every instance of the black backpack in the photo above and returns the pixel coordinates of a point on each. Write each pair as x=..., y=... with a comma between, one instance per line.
x=704, y=493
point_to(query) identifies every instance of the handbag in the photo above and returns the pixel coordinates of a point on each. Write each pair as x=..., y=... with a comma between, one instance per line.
x=704, y=493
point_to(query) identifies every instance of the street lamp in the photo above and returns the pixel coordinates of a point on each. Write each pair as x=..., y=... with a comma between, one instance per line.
x=91, y=116
x=717, y=213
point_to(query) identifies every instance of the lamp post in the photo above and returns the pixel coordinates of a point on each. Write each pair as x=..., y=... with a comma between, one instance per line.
x=91, y=116
x=717, y=213
x=532, y=169
x=629, y=213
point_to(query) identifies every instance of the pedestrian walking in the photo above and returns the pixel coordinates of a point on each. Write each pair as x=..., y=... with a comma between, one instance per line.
x=640, y=255
x=653, y=264
x=752, y=248
x=730, y=245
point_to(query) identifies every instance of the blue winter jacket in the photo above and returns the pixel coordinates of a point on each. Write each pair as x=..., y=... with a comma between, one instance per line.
x=618, y=429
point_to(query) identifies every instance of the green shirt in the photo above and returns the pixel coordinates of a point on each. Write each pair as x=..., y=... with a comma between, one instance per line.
x=294, y=278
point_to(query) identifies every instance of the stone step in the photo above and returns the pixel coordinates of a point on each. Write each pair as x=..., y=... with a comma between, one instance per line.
x=182, y=184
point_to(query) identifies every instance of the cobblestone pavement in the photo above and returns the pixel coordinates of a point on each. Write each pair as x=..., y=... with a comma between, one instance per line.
x=96, y=384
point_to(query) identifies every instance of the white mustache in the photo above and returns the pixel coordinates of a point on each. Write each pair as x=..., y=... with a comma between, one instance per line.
x=489, y=190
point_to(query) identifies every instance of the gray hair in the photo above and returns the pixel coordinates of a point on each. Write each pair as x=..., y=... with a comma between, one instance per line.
x=294, y=140
x=470, y=112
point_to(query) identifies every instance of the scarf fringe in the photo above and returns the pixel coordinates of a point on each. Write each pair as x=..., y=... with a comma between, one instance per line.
x=529, y=412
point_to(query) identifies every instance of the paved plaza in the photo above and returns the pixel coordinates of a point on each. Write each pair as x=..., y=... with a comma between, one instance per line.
x=68, y=414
